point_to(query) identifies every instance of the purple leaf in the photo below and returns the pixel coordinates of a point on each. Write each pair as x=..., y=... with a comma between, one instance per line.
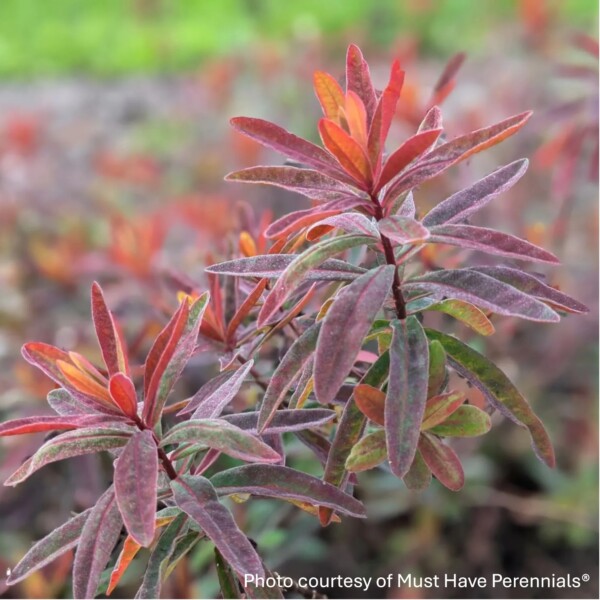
x=223, y=436
x=406, y=394
x=197, y=497
x=490, y=241
x=135, y=481
x=98, y=539
x=212, y=406
x=207, y=390
x=65, y=404
x=283, y=420
x=36, y=424
x=407, y=208
x=418, y=477
x=44, y=551
x=358, y=80
x=355, y=223
x=273, y=266
x=274, y=481
x=291, y=364
x=432, y=120
x=344, y=328
x=442, y=461
x=463, y=204
x=532, y=286
x=69, y=444
x=483, y=291
x=403, y=230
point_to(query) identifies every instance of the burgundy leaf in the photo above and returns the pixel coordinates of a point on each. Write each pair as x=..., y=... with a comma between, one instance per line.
x=348, y=222
x=406, y=394
x=483, y=291
x=135, y=481
x=344, y=328
x=283, y=421
x=196, y=496
x=358, y=80
x=403, y=230
x=36, y=424
x=432, y=120
x=274, y=481
x=463, y=204
x=98, y=539
x=442, y=461
x=207, y=390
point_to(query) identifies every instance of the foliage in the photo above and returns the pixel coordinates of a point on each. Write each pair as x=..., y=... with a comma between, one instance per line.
x=361, y=380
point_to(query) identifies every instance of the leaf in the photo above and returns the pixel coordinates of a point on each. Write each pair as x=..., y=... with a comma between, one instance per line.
x=292, y=222
x=228, y=582
x=127, y=554
x=467, y=313
x=212, y=406
x=222, y=436
x=67, y=445
x=44, y=551
x=442, y=461
x=356, y=118
x=418, y=477
x=407, y=207
x=98, y=539
x=452, y=152
x=483, y=291
x=532, y=286
x=61, y=401
x=439, y=408
x=283, y=421
x=345, y=326
x=135, y=481
x=303, y=264
x=329, y=93
x=490, y=241
x=371, y=402
x=463, y=204
x=183, y=545
x=294, y=360
x=466, y=421
x=432, y=119
x=303, y=181
x=497, y=389
x=197, y=497
x=412, y=149
x=273, y=266
x=274, y=481
x=403, y=230
x=358, y=80
x=406, y=393
x=437, y=368
x=111, y=344
x=122, y=391
x=369, y=452
x=288, y=144
x=37, y=424
x=355, y=223
x=85, y=384
x=244, y=310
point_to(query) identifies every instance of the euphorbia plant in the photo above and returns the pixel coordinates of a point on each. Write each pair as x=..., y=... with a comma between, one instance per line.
x=339, y=276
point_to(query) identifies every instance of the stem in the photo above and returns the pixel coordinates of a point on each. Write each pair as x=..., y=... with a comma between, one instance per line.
x=162, y=455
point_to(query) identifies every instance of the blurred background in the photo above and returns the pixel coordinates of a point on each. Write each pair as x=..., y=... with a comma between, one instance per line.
x=114, y=140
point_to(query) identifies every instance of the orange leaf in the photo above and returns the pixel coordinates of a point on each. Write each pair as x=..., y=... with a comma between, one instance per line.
x=356, y=118
x=370, y=402
x=128, y=553
x=246, y=307
x=247, y=244
x=83, y=383
x=329, y=93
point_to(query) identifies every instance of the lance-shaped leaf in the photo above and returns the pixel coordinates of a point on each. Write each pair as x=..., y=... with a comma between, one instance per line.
x=465, y=312
x=197, y=497
x=497, y=389
x=69, y=444
x=289, y=145
x=244, y=310
x=207, y=391
x=442, y=461
x=452, y=152
x=348, y=432
x=128, y=553
x=62, y=402
x=122, y=391
x=463, y=204
x=368, y=453
x=465, y=421
x=283, y=421
x=297, y=220
x=406, y=393
x=412, y=149
x=212, y=406
x=157, y=564
x=405, y=206
x=437, y=368
x=484, y=291
x=431, y=120
x=272, y=266
x=223, y=436
x=356, y=118
x=344, y=328
x=403, y=230
x=531, y=285
x=418, y=477
x=330, y=94
x=348, y=222
x=439, y=408
x=274, y=481
x=302, y=265
x=290, y=366
x=136, y=480
x=111, y=343
x=37, y=424
x=358, y=80
x=43, y=552
x=304, y=181
x=490, y=241
x=228, y=581
x=371, y=402
x=98, y=538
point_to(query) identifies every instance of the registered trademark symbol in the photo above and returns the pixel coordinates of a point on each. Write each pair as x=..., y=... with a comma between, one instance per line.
x=585, y=577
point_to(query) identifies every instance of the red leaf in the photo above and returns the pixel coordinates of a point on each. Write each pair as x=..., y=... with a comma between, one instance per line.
x=37, y=424
x=329, y=93
x=122, y=391
x=371, y=402
x=356, y=118
x=442, y=461
x=358, y=80
x=244, y=310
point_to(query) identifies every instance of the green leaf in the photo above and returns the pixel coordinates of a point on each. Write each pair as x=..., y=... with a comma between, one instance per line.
x=227, y=579
x=439, y=408
x=369, y=452
x=466, y=421
x=437, y=368
x=418, y=477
